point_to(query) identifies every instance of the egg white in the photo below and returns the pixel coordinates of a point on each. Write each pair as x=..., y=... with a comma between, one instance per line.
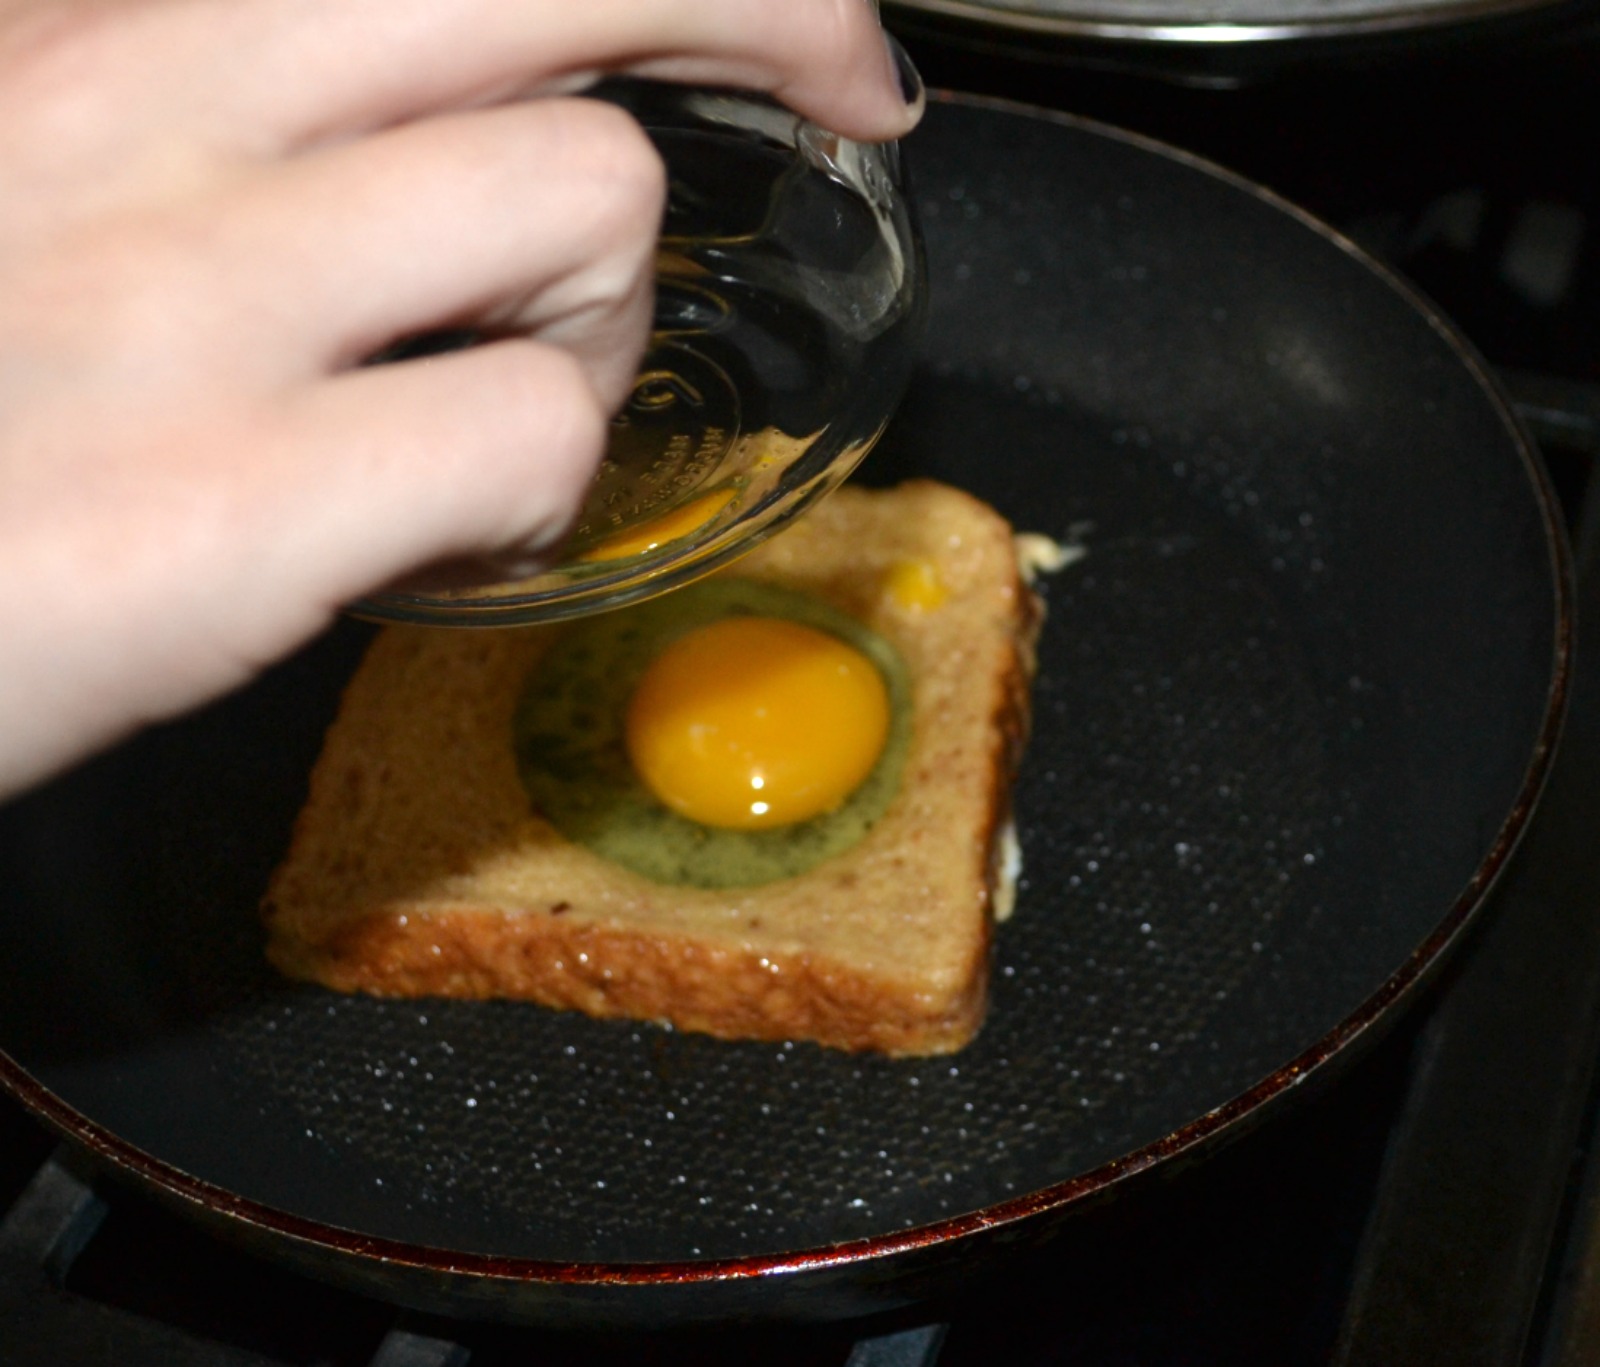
x=571, y=753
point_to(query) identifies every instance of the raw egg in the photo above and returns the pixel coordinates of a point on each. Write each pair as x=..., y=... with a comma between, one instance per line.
x=658, y=531
x=825, y=725
x=753, y=722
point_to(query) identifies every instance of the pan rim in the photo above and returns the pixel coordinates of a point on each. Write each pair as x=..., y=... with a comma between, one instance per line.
x=1403, y=984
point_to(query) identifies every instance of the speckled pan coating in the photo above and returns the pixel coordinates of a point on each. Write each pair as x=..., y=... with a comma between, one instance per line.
x=1292, y=711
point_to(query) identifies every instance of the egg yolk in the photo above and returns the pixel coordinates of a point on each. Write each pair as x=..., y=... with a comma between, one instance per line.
x=915, y=585
x=753, y=722
x=657, y=531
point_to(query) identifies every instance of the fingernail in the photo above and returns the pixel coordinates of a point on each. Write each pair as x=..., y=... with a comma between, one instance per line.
x=905, y=74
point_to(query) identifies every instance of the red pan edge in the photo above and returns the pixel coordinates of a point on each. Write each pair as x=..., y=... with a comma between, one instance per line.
x=1379, y=1008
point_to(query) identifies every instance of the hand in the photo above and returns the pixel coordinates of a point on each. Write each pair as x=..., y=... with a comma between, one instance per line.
x=213, y=210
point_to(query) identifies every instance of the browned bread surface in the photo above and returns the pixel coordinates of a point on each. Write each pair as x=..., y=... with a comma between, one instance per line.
x=418, y=866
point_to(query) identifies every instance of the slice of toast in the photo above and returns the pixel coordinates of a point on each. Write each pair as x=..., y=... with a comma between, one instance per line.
x=418, y=866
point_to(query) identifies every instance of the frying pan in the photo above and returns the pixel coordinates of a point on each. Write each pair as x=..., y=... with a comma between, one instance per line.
x=1294, y=705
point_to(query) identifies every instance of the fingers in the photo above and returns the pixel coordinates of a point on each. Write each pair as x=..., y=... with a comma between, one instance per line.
x=266, y=76
x=484, y=453
x=237, y=533
x=264, y=528
x=215, y=208
x=371, y=62
x=538, y=217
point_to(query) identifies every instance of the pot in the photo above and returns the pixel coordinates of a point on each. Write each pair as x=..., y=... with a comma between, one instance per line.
x=1227, y=43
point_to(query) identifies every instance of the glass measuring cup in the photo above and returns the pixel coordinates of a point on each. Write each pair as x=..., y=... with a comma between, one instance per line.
x=789, y=299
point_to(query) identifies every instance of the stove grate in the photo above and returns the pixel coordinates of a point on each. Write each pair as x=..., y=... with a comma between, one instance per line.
x=48, y=1320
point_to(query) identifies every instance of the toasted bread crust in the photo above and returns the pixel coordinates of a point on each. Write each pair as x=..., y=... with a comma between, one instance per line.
x=607, y=971
x=418, y=868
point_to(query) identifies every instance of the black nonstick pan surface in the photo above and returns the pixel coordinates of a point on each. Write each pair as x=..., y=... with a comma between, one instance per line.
x=1293, y=705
